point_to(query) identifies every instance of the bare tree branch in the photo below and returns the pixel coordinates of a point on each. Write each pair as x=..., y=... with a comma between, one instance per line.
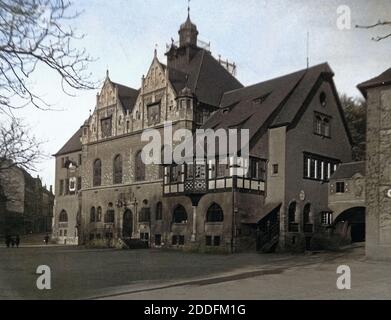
x=36, y=32
x=380, y=23
x=18, y=148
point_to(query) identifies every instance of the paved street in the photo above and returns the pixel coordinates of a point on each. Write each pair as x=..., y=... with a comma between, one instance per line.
x=154, y=274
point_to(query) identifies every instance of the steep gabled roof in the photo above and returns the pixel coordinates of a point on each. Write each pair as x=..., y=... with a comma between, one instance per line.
x=348, y=170
x=205, y=76
x=72, y=145
x=381, y=80
x=272, y=103
x=127, y=95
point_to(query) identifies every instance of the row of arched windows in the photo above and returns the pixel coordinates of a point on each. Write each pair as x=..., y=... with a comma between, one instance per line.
x=96, y=214
x=214, y=214
x=118, y=170
x=292, y=211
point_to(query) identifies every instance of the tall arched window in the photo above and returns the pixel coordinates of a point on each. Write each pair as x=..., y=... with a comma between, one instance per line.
x=97, y=172
x=140, y=167
x=99, y=214
x=63, y=216
x=159, y=211
x=307, y=213
x=93, y=215
x=215, y=213
x=180, y=215
x=292, y=212
x=117, y=166
x=110, y=214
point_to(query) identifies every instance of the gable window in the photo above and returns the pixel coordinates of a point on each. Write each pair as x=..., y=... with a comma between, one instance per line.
x=117, y=169
x=97, y=173
x=322, y=125
x=153, y=113
x=340, y=187
x=140, y=167
x=323, y=99
x=106, y=127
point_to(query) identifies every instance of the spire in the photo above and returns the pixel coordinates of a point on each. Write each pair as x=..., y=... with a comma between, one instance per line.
x=188, y=32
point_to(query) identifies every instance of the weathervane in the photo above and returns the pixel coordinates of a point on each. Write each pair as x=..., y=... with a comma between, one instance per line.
x=188, y=7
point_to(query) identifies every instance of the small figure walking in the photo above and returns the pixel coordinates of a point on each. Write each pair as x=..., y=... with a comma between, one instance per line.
x=8, y=240
x=12, y=242
x=46, y=239
x=17, y=241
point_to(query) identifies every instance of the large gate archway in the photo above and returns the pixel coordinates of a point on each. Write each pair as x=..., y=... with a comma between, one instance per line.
x=355, y=217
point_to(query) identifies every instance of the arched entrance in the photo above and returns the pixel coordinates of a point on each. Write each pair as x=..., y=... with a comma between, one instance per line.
x=127, y=224
x=355, y=217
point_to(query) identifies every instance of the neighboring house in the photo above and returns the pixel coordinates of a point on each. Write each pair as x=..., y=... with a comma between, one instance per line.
x=298, y=138
x=25, y=205
x=377, y=91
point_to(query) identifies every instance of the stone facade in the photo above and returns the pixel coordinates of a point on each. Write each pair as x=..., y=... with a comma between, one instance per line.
x=25, y=205
x=378, y=164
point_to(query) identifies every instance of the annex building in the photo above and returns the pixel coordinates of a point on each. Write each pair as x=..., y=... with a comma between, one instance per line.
x=298, y=139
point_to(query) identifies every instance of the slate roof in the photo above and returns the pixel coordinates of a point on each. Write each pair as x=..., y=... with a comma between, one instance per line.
x=271, y=103
x=127, y=95
x=383, y=79
x=348, y=170
x=205, y=76
x=72, y=145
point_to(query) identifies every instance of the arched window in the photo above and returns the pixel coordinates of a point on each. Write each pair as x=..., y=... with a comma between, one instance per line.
x=99, y=214
x=63, y=216
x=92, y=215
x=97, y=172
x=292, y=212
x=159, y=211
x=117, y=166
x=306, y=214
x=180, y=215
x=215, y=213
x=140, y=167
x=109, y=216
x=323, y=99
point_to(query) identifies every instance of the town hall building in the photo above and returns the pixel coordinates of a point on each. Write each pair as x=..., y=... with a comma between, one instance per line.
x=298, y=139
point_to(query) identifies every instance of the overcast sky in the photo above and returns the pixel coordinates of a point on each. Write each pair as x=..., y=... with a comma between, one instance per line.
x=264, y=38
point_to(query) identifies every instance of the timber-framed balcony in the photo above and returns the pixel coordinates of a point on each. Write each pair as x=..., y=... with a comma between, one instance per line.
x=207, y=176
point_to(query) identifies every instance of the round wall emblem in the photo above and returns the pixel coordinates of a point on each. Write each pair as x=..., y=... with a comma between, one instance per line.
x=302, y=195
x=389, y=193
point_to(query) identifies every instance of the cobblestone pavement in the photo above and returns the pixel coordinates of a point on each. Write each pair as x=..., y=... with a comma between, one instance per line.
x=161, y=274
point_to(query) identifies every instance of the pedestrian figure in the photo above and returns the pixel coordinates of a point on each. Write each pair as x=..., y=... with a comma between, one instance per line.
x=7, y=241
x=17, y=241
x=46, y=239
x=12, y=242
